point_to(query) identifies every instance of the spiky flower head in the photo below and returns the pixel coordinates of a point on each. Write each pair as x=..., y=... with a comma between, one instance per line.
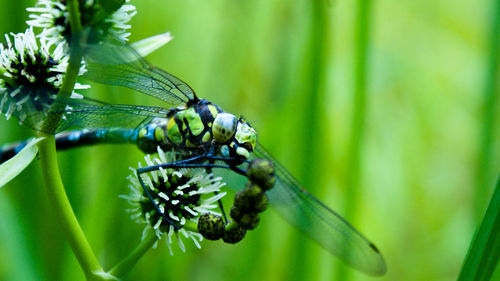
x=102, y=16
x=182, y=195
x=30, y=75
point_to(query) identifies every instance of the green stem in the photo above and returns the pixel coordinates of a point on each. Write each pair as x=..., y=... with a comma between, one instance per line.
x=126, y=264
x=50, y=168
x=74, y=16
x=354, y=175
x=359, y=106
x=61, y=206
x=74, y=64
x=484, y=173
x=191, y=226
x=231, y=226
x=312, y=146
x=484, y=251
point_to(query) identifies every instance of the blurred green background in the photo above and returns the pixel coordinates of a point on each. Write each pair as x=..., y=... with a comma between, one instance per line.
x=412, y=162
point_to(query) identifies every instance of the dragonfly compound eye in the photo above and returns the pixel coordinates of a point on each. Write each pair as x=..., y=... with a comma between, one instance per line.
x=246, y=136
x=224, y=127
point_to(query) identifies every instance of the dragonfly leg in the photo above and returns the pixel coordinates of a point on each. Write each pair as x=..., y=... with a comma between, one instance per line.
x=169, y=221
x=226, y=159
x=175, y=165
x=212, y=159
x=221, y=207
x=238, y=170
x=219, y=202
x=142, y=171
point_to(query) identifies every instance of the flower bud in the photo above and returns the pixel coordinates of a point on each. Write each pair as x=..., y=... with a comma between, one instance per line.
x=261, y=172
x=249, y=221
x=233, y=233
x=211, y=226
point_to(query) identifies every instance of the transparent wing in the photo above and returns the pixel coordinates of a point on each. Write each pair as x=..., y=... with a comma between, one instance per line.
x=320, y=223
x=111, y=62
x=115, y=63
x=85, y=113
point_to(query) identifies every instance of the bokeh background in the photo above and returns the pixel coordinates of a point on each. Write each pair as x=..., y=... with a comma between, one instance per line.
x=408, y=152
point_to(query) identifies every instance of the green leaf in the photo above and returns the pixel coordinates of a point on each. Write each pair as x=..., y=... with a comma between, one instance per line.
x=484, y=251
x=146, y=46
x=14, y=166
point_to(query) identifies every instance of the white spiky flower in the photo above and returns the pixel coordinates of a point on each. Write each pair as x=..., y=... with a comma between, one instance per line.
x=53, y=17
x=182, y=195
x=30, y=75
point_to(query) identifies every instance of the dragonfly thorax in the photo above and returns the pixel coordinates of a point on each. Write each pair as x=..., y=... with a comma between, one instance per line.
x=201, y=127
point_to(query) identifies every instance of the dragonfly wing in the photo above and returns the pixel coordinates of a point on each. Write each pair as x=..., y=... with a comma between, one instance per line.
x=320, y=223
x=115, y=63
x=90, y=114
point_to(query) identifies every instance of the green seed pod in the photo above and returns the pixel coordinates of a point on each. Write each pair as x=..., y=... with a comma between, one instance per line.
x=233, y=233
x=261, y=203
x=243, y=201
x=211, y=226
x=253, y=191
x=249, y=221
x=244, y=204
x=236, y=213
x=261, y=172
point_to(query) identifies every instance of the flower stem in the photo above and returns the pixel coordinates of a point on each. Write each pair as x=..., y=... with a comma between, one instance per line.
x=191, y=226
x=61, y=206
x=488, y=124
x=74, y=16
x=127, y=263
x=74, y=64
x=484, y=251
x=354, y=165
x=50, y=168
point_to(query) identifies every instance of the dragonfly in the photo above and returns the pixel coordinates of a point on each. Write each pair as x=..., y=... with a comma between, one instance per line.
x=199, y=130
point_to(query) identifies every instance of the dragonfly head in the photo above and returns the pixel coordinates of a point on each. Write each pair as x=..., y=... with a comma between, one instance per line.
x=224, y=127
x=235, y=135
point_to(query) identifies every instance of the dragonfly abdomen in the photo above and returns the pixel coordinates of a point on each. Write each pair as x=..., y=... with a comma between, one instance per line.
x=72, y=139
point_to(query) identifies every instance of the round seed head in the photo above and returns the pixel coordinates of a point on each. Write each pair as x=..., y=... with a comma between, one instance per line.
x=261, y=203
x=243, y=201
x=249, y=221
x=253, y=190
x=261, y=172
x=233, y=235
x=31, y=76
x=182, y=197
x=236, y=213
x=211, y=226
x=251, y=199
x=102, y=17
